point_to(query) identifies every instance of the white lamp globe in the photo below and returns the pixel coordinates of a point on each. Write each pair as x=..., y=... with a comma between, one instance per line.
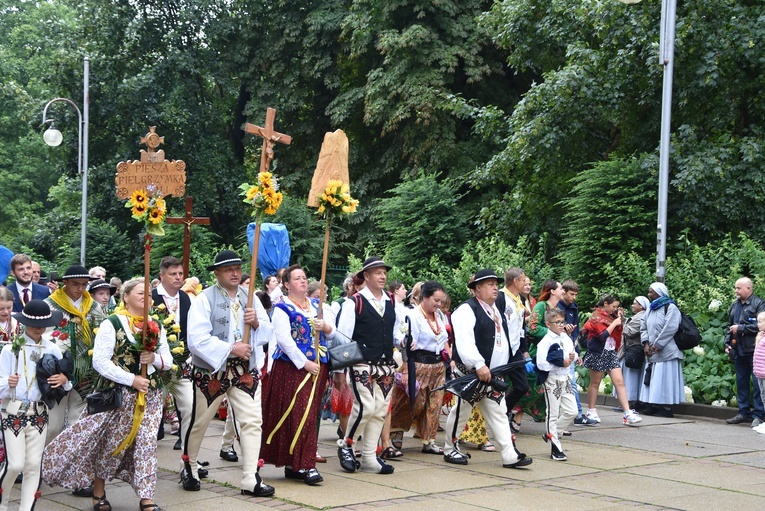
x=53, y=137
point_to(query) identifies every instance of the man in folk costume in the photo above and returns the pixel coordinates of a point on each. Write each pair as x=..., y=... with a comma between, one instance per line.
x=75, y=333
x=177, y=303
x=25, y=413
x=481, y=343
x=370, y=320
x=224, y=364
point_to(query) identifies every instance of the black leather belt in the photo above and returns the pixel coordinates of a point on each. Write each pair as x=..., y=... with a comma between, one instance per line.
x=425, y=357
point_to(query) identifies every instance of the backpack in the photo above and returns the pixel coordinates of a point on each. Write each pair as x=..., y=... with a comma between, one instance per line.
x=687, y=336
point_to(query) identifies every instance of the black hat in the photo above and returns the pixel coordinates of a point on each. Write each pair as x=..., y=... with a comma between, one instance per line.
x=482, y=275
x=76, y=271
x=225, y=258
x=37, y=313
x=101, y=284
x=372, y=262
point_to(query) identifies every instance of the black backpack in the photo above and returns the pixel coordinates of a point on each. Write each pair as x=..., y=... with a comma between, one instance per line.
x=687, y=336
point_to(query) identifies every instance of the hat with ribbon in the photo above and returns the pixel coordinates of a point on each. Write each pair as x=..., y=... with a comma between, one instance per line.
x=482, y=275
x=372, y=262
x=77, y=271
x=37, y=313
x=225, y=258
x=101, y=284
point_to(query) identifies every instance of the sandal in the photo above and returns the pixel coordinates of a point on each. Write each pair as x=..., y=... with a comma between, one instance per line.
x=515, y=427
x=150, y=507
x=101, y=503
x=432, y=448
x=397, y=439
x=487, y=447
x=390, y=453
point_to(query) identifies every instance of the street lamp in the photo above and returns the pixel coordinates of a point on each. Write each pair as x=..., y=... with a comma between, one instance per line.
x=53, y=138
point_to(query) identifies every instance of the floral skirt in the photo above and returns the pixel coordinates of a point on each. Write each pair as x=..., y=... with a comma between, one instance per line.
x=284, y=380
x=83, y=451
x=427, y=403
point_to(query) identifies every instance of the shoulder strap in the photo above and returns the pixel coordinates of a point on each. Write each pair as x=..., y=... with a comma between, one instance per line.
x=359, y=303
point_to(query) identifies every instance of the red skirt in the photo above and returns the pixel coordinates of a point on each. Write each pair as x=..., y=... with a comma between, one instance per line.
x=284, y=380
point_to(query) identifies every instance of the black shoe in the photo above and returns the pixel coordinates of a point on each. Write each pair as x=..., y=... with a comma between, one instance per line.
x=83, y=492
x=202, y=473
x=664, y=412
x=294, y=474
x=19, y=479
x=520, y=463
x=261, y=489
x=456, y=457
x=177, y=446
x=161, y=432
x=652, y=410
x=557, y=455
x=738, y=419
x=189, y=482
x=347, y=459
x=312, y=477
x=229, y=455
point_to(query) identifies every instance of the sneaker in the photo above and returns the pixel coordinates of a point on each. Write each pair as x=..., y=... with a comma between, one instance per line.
x=583, y=420
x=738, y=419
x=592, y=414
x=760, y=429
x=756, y=422
x=631, y=418
x=557, y=455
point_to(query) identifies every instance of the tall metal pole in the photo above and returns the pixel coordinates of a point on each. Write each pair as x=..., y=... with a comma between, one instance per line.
x=666, y=59
x=84, y=168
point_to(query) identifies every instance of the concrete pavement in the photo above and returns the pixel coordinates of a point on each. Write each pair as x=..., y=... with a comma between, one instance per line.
x=682, y=463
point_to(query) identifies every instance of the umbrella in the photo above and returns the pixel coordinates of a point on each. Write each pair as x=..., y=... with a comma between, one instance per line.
x=472, y=390
x=47, y=367
x=274, y=250
x=5, y=263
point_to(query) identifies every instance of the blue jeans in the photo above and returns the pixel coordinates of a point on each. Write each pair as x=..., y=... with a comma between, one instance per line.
x=744, y=377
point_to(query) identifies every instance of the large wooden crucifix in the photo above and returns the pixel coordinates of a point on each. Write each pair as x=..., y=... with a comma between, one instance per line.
x=187, y=220
x=270, y=138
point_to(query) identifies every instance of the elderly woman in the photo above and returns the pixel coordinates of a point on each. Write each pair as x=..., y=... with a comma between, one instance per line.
x=633, y=376
x=297, y=381
x=122, y=442
x=663, y=383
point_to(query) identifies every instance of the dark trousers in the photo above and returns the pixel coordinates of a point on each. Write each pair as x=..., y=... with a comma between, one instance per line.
x=744, y=377
x=520, y=382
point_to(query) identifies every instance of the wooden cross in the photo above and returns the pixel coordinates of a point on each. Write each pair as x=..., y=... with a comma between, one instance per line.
x=187, y=220
x=270, y=138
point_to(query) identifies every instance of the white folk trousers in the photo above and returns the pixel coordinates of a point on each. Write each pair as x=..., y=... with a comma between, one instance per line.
x=23, y=454
x=561, y=406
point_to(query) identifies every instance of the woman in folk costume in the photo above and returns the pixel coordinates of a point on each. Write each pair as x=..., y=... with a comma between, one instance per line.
x=603, y=332
x=292, y=396
x=428, y=328
x=25, y=414
x=119, y=443
x=75, y=333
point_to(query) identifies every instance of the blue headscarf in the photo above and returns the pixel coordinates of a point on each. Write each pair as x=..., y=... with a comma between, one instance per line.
x=660, y=289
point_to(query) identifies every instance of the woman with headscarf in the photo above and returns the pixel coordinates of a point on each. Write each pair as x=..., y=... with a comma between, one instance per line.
x=603, y=332
x=663, y=383
x=631, y=343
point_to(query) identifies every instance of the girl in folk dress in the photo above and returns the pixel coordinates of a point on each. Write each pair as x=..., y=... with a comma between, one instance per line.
x=25, y=414
x=112, y=443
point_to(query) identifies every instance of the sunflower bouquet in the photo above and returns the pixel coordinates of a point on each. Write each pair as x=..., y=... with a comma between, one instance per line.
x=336, y=200
x=149, y=207
x=264, y=196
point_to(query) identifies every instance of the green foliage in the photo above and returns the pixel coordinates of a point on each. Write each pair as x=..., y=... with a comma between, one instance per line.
x=106, y=245
x=421, y=219
x=608, y=212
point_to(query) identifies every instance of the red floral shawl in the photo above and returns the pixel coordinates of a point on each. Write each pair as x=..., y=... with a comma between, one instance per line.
x=599, y=322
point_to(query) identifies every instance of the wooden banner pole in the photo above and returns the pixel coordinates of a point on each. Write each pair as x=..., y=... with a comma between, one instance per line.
x=146, y=290
x=253, y=271
x=322, y=289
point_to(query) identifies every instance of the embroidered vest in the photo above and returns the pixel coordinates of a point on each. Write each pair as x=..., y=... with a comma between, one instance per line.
x=483, y=331
x=126, y=357
x=219, y=318
x=302, y=334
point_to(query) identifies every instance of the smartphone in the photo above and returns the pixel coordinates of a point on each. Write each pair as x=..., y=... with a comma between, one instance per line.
x=53, y=276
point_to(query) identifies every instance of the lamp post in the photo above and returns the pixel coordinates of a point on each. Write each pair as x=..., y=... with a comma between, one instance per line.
x=53, y=138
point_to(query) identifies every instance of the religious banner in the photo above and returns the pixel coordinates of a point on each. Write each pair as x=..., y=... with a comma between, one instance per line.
x=169, y=177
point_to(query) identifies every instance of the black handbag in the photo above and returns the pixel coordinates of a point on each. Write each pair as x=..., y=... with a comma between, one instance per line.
x=345, y=355
x=634, y=356
x=104, y=400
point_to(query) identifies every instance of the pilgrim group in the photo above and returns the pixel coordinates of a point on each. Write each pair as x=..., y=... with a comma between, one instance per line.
x=83, y=379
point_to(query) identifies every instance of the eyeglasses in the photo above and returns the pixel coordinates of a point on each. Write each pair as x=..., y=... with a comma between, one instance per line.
x=561, y=323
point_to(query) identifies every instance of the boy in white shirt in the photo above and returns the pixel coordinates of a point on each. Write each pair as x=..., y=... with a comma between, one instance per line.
x=555, y=353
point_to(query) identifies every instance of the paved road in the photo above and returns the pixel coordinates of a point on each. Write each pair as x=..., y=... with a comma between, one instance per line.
x=682, y=463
